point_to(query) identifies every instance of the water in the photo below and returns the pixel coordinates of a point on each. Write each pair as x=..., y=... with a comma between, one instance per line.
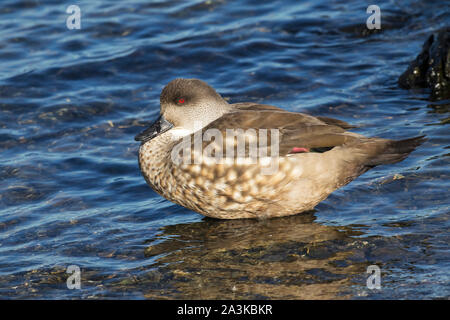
x=71, y=102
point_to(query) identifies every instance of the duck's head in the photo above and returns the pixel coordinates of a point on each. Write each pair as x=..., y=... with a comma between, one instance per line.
x=187, y=105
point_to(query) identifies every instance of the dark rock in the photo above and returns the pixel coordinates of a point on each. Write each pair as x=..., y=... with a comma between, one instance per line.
x=431, y=68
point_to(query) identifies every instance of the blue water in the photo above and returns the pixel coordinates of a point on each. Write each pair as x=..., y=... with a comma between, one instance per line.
x=71, y=102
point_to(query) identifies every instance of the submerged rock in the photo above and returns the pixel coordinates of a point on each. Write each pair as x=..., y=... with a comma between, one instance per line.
x=431, y=68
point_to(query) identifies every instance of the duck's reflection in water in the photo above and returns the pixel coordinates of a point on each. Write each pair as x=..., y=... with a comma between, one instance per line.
x=284, y=258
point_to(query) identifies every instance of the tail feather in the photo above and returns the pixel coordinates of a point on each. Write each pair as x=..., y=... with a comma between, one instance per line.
x=370, y=152
x=391, y=151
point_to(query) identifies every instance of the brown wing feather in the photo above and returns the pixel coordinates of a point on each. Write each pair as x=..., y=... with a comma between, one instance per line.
x=261, y=107
x=295, y=129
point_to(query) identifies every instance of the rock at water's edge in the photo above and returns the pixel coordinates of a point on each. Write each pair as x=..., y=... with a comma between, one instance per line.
x=431, y=68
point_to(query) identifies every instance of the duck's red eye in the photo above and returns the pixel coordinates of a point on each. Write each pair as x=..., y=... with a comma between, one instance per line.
x=181, y=100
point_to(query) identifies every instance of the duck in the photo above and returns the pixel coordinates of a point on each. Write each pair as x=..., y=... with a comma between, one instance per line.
x=251, y=160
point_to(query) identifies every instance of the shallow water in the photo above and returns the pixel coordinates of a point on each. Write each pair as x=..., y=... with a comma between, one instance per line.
x=71, y=102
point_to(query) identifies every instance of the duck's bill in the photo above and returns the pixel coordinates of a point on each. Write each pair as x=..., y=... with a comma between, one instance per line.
x=161, y=125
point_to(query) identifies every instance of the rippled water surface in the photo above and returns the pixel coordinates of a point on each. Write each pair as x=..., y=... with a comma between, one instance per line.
x=71, y=192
